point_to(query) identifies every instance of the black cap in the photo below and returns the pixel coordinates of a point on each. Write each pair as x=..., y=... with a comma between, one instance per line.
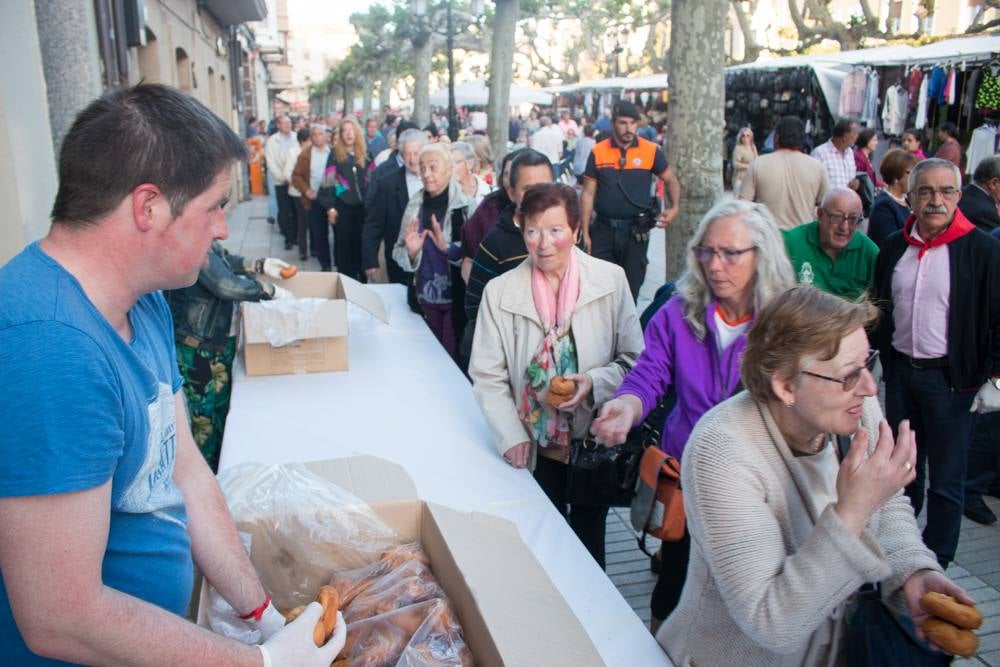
x=626, y=109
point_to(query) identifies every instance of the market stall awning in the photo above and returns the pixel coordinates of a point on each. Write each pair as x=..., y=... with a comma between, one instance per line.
x=651, y=82
x=476, y=93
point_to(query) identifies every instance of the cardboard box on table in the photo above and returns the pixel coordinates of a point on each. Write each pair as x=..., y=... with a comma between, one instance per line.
x=324, y=347
x=510, y=611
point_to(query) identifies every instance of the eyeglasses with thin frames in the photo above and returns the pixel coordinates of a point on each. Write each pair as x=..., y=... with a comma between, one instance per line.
x=704, y=253
x=926, y=192
x=837, y=218
x=850, y=381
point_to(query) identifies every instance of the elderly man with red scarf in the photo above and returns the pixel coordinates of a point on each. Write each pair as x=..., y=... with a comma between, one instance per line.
x=937, y=282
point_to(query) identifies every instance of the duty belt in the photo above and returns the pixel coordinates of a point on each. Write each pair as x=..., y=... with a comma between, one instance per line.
x=616, y=223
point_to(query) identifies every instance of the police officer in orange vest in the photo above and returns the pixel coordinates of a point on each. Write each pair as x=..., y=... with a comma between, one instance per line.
x=618, y=188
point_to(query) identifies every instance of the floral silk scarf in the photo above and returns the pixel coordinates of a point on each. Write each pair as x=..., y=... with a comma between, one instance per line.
x=555, y=356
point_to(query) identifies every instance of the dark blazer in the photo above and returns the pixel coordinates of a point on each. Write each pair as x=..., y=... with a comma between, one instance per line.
x=386, y=201
x=973, y=314
x=979, y=207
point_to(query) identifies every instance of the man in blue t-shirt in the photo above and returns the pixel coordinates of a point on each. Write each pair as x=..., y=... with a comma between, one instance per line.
x=106, y=504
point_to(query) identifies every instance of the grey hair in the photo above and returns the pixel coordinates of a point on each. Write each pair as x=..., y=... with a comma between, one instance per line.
x=441, y=150
x=835, y=193
x=772, y=276
x=929, y=164
x=468, y=154
x=411, y=136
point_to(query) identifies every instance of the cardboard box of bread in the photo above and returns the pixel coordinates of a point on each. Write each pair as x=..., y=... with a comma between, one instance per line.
x=499, y=607
x=322, y=345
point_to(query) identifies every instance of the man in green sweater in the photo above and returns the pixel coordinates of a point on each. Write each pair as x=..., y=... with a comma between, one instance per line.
x=829, y=252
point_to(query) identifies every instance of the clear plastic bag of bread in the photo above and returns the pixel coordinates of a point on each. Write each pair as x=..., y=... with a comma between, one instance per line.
x=373, y=590
x=426, y=634
x=301, y=529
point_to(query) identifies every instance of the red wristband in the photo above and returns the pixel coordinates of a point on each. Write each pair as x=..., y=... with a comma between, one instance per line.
x=257, y=613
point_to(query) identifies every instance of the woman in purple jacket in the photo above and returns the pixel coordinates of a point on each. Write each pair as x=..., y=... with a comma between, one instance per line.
x=736, y=263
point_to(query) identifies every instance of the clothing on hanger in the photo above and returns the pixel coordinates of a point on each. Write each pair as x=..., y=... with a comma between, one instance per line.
x=988, y=97
x=852, y=93
x=869, y=109
x=913, y=84
x=895, y=110
x=921, y=120
x=982, y=145
x=935, y=89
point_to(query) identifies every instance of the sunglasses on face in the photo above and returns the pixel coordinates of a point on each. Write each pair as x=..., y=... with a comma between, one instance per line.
x=850, y=381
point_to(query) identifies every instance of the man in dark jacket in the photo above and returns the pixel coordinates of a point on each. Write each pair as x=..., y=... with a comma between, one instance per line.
x=387, y=197
x=503, y=247
x=981, y=197
x=937, y=282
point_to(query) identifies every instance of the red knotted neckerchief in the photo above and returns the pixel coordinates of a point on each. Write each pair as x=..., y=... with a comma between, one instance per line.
x=959, y=227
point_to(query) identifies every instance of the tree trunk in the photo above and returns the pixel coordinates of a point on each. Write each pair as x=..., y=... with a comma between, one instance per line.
x=385, y=93
x=422, y=53
x=367, y=93
x=348, y=98
x=501, y=74
x=695, y=126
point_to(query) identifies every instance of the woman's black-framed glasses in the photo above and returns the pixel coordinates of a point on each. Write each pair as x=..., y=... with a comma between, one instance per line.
x=704, y=253
x=850, y=381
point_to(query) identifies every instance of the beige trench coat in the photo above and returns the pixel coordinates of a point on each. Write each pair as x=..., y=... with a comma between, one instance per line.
x=605, y=328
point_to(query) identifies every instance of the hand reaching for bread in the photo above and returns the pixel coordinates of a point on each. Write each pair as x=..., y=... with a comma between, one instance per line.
x=951, y=624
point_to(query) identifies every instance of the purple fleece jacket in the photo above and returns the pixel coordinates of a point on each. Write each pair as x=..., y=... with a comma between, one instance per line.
x=674, y=356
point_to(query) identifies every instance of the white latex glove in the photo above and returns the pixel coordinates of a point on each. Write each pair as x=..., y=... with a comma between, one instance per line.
x=270, y=622
x=987, y=399
x=293, y=646
x=273, y=267
x=280, y=293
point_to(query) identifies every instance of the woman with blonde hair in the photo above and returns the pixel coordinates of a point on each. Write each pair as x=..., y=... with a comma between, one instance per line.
x=744, y=152
x=484, y=153
x=349, y=184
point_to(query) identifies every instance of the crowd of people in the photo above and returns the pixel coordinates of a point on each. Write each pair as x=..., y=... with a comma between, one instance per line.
x=762, y=361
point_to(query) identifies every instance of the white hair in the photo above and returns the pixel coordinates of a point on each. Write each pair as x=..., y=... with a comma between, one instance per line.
x=441, y=150
x=933, y=163
x=411, y=135
x=772, y=276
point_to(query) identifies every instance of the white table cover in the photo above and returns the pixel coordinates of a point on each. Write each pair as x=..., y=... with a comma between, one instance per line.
x=404, y=400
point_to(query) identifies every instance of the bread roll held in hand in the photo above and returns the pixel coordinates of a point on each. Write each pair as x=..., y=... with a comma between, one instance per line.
x=951, y=638
x=289, y=271
x=330, y=599
x=560, y=390
x=966, y=617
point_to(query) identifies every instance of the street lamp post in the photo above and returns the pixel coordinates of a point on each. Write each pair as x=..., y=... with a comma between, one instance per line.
x=452, y=111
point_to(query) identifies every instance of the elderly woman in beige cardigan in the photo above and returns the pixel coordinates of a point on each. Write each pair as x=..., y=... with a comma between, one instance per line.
x=782, y=532
x=564, y=313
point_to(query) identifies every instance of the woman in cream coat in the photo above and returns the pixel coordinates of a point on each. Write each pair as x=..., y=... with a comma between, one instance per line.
x=783, y=533
x=564, y=313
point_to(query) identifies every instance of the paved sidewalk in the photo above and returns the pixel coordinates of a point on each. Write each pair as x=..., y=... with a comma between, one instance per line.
x=976, y=566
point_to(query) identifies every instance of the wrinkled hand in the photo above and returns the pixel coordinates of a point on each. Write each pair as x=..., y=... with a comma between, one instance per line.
x=331, y=216
x=583, y=387
x=665, y=218
x=517, y=455
x=437, y=235
x=414, y=237
x=865, y=484
x=987, y=399
x=926, y=581
x=293, y=645
x=270, y=622
x=273, y=267
x=280, y=294
x=616, y=419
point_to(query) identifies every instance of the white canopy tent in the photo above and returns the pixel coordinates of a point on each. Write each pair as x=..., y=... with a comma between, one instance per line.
x=476, y=93
x=651, y=82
